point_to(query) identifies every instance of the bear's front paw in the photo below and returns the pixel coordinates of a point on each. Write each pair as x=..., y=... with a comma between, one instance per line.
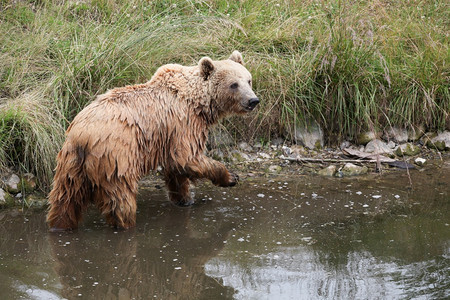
x=234, y=178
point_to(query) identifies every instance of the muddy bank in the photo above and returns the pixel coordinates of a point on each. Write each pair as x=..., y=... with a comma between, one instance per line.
x=277, y=159
x=397, y=149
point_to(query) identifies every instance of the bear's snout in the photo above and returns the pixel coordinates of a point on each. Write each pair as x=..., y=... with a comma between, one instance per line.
x=252, y=103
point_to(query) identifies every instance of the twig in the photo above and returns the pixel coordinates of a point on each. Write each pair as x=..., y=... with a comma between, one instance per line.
x=332, y=160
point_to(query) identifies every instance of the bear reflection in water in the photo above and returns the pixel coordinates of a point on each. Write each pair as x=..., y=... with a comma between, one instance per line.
x=163, y=259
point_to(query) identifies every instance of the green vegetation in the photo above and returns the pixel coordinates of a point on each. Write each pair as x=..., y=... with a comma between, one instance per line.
x=350, y=65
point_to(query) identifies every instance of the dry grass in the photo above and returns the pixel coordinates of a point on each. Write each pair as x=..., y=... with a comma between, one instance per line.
x=350, y=65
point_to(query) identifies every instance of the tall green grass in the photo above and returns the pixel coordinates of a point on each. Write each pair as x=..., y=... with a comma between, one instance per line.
x=350, y=65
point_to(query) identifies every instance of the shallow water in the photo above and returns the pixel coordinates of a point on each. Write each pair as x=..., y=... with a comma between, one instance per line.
x=301, y=237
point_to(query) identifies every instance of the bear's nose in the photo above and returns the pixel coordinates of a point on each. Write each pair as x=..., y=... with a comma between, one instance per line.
x=253, y=102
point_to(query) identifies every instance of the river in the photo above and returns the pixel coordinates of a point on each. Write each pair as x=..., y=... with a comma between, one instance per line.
x=286, y=237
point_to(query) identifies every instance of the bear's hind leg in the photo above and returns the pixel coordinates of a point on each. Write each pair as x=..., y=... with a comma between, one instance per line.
x=119, y=208
x=62, y=217
x=178, y=189
x=65, y=212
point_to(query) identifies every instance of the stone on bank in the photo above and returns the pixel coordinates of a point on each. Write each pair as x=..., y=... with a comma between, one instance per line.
x=309, y=135
x=441, y=142
x=407, y=149
x=328, y=171
x=12, y=182
x=365, y=137
x=6, y=200
x=352, y=170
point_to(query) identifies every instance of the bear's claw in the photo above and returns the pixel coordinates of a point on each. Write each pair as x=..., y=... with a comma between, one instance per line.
x=234, y=179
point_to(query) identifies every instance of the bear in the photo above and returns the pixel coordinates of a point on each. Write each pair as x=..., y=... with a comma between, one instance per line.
x=130, y=131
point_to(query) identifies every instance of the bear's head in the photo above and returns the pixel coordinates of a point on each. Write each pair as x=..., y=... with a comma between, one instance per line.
x=230, y=84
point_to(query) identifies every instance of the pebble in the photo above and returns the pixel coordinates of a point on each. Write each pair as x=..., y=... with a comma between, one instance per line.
x=420, y=161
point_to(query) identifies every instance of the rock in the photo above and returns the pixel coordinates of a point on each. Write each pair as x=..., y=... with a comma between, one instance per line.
x=277, y=141
x=12, y=183
x=35, y=201
x=377, y=147
x=407, y=149
x=426, y=139
x=339, y=174
x=275, y=169
x=441, y=141
x=28, y=183
x=399, y=135
x=264, y=155
x=365, y=137
x=6, y=200
x=344, y=144
x=286, y=151
x=439, y=145
x=257, y=145
x=328, y=171
x=351, y=170
x=391, y=145
x=310, y=136
x=414, y=134
x=420, y=161
x=245, y=147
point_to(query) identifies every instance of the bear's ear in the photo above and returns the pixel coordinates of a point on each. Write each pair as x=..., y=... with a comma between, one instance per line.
x=206, y=67
x=236, y=56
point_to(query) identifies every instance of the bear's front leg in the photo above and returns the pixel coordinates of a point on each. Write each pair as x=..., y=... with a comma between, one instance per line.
x=178, y=189
x=205, y=167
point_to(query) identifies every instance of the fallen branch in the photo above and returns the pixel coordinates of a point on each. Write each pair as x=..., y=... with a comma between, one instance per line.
x=331, y=160
x=393, y=163
x=365, y=155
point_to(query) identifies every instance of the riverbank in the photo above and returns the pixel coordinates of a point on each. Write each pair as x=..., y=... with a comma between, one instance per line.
x=279, y=158
x=347, y=66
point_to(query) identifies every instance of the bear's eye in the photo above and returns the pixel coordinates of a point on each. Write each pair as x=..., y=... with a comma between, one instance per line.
x=234, y=85
x=250, y=83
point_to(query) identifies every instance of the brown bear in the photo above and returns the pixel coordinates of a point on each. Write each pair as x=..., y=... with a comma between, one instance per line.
x=127, y=132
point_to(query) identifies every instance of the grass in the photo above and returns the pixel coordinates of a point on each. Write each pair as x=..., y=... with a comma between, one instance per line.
x=350, y=65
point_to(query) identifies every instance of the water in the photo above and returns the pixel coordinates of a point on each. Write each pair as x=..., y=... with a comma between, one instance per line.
x=301, y=237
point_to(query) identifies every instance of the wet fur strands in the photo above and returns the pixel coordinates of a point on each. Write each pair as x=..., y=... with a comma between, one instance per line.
x=127, y=132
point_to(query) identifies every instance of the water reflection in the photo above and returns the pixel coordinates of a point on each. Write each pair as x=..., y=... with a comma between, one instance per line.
x=162, y=259
x=348, y=244
x=302, y=238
